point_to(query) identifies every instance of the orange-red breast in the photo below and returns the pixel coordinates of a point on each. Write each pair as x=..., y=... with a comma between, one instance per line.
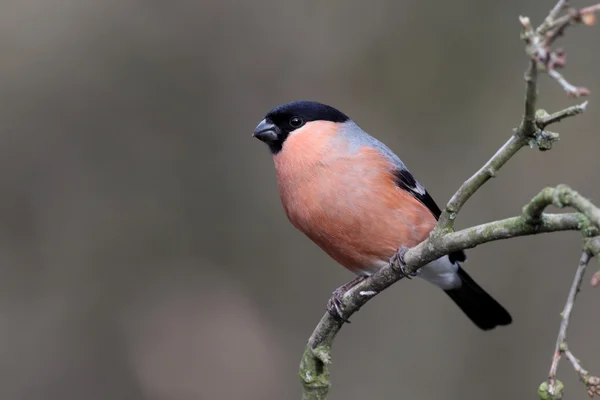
x=353, y=197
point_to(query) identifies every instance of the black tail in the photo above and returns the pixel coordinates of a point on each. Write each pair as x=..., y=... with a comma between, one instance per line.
x=479, y=306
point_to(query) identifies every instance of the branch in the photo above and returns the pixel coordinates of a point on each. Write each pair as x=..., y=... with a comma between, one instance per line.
x=558, y=7
x=471, y=185
x=564, y=324
x=314, y=371
x=522, y=136
x=545, y=120
x=591, y=382
x=532, y=132
x=561, y=196
x=574, y=17
x=569, y=88
x=540, y=41
x=553, y=388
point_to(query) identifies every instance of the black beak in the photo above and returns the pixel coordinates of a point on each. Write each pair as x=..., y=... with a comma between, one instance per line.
x=266, y=131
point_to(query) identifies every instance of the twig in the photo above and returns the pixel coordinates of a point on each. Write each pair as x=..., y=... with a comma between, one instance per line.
x=575, y=363
x=471, y=185
x=516, y=142
x=592, y=383
x=560, y=115
x=553, y=388
x=558, y=7
x=558, y=28
x=561, y=340
x=575, y=17
x=570, y=89
x=539, y=42
x=527, y=128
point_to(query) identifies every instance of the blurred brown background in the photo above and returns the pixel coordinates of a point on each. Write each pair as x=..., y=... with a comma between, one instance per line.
x=144, y=253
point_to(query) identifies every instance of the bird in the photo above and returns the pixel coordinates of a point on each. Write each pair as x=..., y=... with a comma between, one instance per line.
x=356, y=200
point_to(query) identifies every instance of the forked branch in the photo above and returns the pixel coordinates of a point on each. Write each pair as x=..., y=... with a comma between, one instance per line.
x=553, y=388
x=314, y=372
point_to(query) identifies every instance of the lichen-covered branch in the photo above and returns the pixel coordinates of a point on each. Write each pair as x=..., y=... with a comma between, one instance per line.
x=531, y=131
x=314, y=371
x=508, y=228
x=561, y=196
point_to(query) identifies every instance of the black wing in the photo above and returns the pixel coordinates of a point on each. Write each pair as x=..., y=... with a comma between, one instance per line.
x=407, y=182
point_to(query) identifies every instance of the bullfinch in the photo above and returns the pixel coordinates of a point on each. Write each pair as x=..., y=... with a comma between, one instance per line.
x=354, y=198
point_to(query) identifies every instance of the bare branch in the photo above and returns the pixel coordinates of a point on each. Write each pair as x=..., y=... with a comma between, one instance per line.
x=553, y=388
x=522, y=136
x=571, y=90
x=575, y=363
x=531, y=76
x=471, y=185
x=575, y=16
x=443, y=240
x=539, y=42
x=560, y=5
x=314, y=366
x=592, y=383
x=558, y=116
x=561, y=340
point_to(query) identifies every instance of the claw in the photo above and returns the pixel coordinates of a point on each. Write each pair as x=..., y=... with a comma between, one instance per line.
x=398, y=262
x=335, y=305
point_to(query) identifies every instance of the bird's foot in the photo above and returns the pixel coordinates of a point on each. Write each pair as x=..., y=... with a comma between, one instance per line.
x=335, y=305
x=398, y=263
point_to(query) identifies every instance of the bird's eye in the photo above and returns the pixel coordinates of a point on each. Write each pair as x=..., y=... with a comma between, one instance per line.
x=296, y=122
